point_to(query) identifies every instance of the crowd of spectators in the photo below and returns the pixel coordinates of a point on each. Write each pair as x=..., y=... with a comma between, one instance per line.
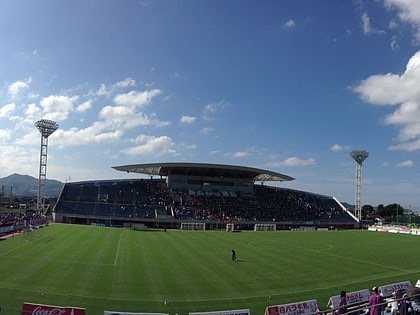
x=152, y=199
x=11, y=222
x=264, y=204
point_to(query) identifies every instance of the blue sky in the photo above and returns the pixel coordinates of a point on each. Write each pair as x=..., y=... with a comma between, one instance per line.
x=291, y=86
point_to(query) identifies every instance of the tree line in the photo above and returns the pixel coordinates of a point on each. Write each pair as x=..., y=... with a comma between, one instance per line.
x=392, y=213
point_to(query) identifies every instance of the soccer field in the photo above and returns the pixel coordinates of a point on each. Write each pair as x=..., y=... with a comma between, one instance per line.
x=117, y=269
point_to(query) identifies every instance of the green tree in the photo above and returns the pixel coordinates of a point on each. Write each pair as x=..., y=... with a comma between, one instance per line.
x=367, y=209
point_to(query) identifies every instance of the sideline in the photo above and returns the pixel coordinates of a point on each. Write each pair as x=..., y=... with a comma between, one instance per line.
x=5, y=237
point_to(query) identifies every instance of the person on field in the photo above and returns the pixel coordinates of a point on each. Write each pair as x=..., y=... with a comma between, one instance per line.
x=233, y=255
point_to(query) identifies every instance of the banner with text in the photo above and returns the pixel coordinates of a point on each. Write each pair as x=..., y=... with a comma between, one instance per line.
x=386, y=290
x=131, y=313
x=353, y=298
x=42, y=309
x=298, y=308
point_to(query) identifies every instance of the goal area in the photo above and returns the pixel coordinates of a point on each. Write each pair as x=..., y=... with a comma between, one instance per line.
x=230, y=227
x=192, y=226
x=265, y=227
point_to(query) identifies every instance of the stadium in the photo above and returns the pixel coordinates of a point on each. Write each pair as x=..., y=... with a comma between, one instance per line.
x=199, y=196
x=162, y=243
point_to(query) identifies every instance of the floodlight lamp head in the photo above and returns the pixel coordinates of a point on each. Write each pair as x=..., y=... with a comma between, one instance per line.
x=359, y=156
x=46, y=127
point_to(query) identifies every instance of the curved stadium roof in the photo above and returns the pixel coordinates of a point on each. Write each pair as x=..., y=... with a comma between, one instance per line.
x=204, y=169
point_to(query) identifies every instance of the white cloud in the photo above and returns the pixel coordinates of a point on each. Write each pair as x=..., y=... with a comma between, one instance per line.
x=5, y=134
x=24, y=159
x=294, y=161
x=408, y=12
x=392, y=89
x=401, y=91
x=7, y=109
x=168, y=97
x=406, y=146
x=56, y=116
x=123, y=117
x=32, y=110
x=97, y=133
x=126, y=117
x=393, y=24
x=135, y=98
x=290, y=23
x=337, y=148
x=206, y=130
x=113, y=120
x=239, y=154
x=57, y=103
x=84, y=106
x=57, y=107
x=104, y=90
x=210, y=110
x=17, y=87
x=187, y=119
x=394, y=43
x=408, y=116
x=126, y=82
x=151, y=146
x=114, y=123
x=367, y=26
x=407, y=163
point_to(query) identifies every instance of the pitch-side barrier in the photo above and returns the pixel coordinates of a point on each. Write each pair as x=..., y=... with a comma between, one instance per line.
x=356, y=304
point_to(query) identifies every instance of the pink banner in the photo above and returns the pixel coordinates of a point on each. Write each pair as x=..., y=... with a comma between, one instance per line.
x=41, y=309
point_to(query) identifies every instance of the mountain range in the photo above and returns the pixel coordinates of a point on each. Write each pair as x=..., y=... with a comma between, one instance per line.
x=27, y=186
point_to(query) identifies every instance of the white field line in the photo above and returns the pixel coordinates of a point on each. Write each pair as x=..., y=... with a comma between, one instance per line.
x=118, y=251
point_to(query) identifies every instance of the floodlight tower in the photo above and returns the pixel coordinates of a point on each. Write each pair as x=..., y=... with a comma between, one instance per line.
x=359, y=157
x=46, y=128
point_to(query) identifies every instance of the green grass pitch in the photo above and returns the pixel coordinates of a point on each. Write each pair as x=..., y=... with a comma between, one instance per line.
x=117, y=269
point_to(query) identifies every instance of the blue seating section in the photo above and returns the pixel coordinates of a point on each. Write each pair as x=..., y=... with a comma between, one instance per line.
x=150, y=199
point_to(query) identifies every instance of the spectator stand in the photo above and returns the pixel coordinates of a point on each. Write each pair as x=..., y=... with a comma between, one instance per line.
x=413, y=294
x=387, y=290
x=357, y=300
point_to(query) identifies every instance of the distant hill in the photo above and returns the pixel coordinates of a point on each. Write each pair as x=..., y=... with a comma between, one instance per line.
x=25, y=185
x=348, y=206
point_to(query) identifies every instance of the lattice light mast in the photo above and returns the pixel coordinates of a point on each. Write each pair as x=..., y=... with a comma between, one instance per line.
x=359, y=157
x=46, y=128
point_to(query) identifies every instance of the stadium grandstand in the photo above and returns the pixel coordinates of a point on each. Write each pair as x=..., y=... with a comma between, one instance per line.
x=211, y=196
